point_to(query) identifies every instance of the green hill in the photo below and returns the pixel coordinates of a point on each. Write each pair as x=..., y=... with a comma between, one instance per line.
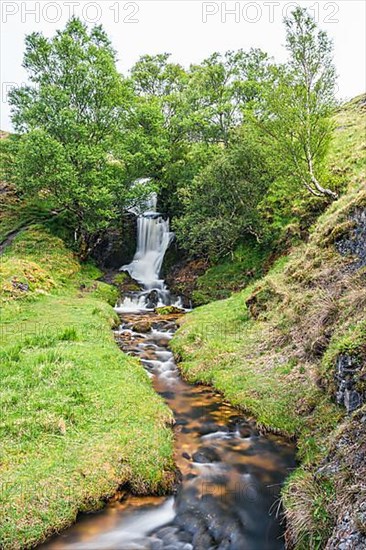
x=292, y=344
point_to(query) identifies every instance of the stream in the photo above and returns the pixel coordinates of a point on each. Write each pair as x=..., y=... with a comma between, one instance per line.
x=229, y=496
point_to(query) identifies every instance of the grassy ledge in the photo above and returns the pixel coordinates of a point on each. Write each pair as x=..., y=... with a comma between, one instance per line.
x=272, y=349
x=78, y=417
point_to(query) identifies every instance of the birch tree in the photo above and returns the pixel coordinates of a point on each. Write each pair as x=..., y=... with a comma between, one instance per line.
x=298, y=102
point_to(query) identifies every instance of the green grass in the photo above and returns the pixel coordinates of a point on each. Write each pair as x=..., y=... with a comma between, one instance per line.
x=248, y=262
x=347, y=155
x=16, y=214
x=271, y=348
x=79, y=418
x=220, y=344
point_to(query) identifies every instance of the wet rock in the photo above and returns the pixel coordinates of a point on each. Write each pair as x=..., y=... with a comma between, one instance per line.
x=241, y=426
x=185, y=538
x=210, y=522
x=347, y=376
x=165, y=326
x=163, y=342
x=142, y=326
x=354, y=242
x=181, y=422
x=170, y=326
x=205, y=456
x=189, y=477
x=245, y=431
x=152, y=299
x=148, y=355
x=118, y=245
x=202, y=540
x=210, y=428
x=157, y=545
x=189, y=521
x=167, y=535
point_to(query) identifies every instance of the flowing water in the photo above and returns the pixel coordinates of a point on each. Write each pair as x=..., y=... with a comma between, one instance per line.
x=228, y=498
x=153, y=240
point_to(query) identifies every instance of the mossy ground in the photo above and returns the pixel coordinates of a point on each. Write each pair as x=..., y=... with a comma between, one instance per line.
x=270, y=349
x=78, y=417
x=220, y=281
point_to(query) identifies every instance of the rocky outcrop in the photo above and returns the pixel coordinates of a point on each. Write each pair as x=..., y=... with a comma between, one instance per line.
x=347, y=535
x=117, y=246
x=353, y=244
x=348, y=455
x=349, y=378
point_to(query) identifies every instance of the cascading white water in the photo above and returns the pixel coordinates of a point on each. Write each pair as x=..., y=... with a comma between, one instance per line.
x=153, y=240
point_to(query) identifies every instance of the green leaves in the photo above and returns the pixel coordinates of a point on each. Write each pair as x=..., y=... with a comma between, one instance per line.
x=220, y=206
x=75, y=149
x=211, y=138
x=296, y=103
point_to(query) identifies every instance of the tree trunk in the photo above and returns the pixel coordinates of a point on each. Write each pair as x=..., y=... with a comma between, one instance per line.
x=322, y=190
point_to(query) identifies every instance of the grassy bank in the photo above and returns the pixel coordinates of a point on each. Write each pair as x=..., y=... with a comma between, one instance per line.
x=79, y=418
x=272, y=350
x=220, y=281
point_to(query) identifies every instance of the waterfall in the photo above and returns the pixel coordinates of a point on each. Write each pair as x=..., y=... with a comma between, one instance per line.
x=153, y=240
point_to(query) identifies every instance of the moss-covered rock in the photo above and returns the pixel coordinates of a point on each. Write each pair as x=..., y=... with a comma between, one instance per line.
x=142, y=326
x=124, y=282
x=168, y=310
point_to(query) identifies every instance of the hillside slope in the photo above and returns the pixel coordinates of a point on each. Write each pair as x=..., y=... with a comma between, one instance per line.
x=79, y=418
x=291, y=350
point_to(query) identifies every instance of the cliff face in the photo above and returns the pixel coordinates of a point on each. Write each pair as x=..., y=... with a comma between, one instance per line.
x=117, y=246
x=291, y=349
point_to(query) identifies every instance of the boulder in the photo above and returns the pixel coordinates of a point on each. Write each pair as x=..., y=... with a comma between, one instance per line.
x=152, y=299
x=205, y=456
x=348, y=377
x=142, y=326
x=168, y=310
